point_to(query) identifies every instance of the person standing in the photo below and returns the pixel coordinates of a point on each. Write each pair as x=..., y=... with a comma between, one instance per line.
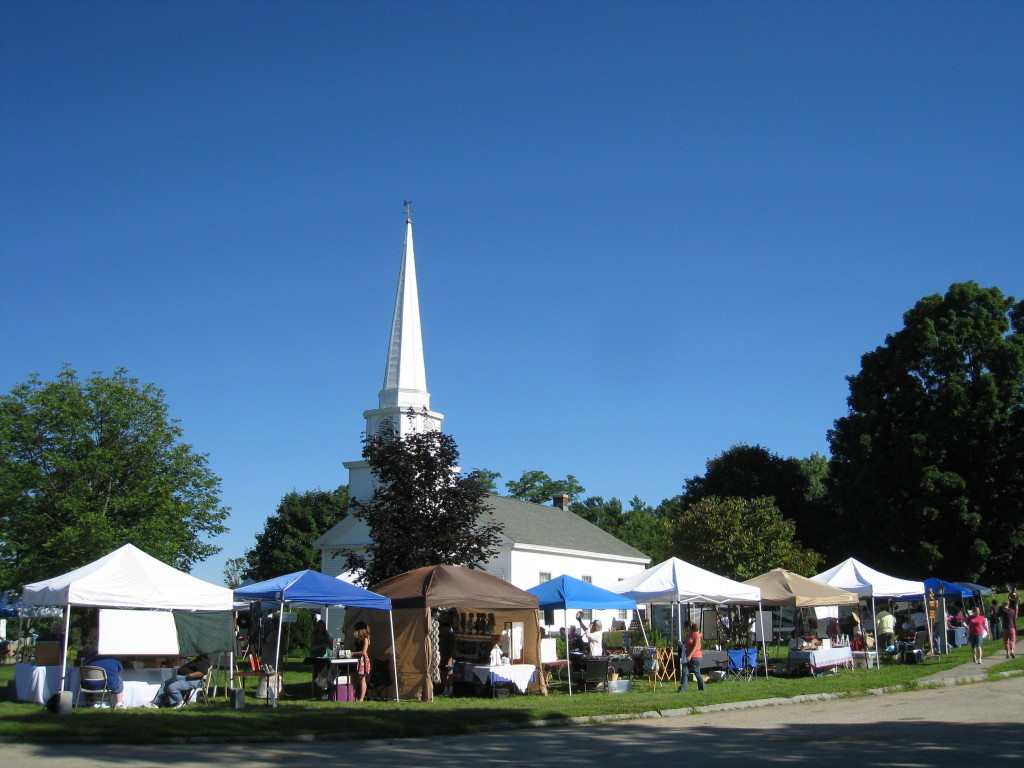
x=594, y=638
x=691, y=656
x=976, y=631
x=1008, y=618
x=361, y=652
x=886, y=629
x=994, y=623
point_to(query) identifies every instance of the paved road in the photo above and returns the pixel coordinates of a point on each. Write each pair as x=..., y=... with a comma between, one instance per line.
x=953, y=726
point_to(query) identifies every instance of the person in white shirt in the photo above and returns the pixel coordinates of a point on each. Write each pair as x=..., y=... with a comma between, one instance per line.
x=594, y=637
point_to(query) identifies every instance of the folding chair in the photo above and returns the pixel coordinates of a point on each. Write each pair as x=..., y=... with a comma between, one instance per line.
x=750, y=663
x=379, y=681
x=737, y=664
x=91, y=674
x=201, y=692
x=594, y=675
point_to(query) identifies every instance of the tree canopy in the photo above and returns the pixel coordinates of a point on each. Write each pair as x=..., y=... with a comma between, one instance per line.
x=928, y=465
x=738, y=538
x=285, y=544
x=87, y=466
x=422, y=513
x=640, y=526
x=750, y=472
x=538, y=487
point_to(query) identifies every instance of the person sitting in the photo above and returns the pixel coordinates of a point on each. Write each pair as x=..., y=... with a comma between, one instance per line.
x=188, y=677
x=113, y=667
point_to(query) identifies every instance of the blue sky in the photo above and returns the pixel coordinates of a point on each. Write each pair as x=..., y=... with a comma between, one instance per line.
x=645, y=232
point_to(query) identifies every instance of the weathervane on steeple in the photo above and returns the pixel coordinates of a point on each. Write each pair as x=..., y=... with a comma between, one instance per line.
x=408, y=211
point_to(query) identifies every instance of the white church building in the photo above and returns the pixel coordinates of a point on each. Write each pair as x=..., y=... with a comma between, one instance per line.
x=539, y=542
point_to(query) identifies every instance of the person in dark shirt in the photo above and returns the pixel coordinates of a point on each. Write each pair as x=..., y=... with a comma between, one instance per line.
x=113, y=668
x=188, y=677
x=1008, y=619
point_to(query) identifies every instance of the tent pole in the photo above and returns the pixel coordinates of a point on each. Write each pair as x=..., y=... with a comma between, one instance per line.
x=568, y=655
x=64, y=655
x=394, y=657
x=759, y=624
x=272, y=692
x=874, y=632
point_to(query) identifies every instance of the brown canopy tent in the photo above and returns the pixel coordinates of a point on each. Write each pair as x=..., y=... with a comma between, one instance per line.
x=781, y=587
x=414, y=593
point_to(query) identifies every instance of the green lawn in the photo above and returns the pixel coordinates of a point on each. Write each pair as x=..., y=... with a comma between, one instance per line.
x=299, y=715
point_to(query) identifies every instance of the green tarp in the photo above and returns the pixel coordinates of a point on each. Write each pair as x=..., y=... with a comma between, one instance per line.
x=204, y=632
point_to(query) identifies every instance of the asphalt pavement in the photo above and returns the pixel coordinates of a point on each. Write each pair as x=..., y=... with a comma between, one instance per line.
x=947, y=725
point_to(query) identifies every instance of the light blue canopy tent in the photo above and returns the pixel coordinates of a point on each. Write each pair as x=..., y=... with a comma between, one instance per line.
x=566, y=592
x=311, y=589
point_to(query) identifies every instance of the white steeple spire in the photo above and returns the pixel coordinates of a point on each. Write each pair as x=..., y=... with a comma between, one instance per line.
x=404, y=403
x=405, y=376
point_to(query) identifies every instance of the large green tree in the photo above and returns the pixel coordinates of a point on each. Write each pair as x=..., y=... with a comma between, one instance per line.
x=752, y=471
x=89, y=465
x=928, y=465
x=538, y=487
x=739, y=538
x=285, y=545
x=422, y=513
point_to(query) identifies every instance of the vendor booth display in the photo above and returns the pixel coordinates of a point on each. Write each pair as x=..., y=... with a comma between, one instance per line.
x=128, y=578
x=568, y=593
x=867, y=583
x=311, y=589
x=485, y=614
x=782, y=588
x=675, y=581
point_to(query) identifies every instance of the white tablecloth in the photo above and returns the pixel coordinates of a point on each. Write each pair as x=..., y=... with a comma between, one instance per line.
x=37, y=684
x=142, y=685
x=519, y=674
x=823, y=658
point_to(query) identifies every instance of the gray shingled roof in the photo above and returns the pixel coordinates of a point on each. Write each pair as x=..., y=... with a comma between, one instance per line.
x=540, y=524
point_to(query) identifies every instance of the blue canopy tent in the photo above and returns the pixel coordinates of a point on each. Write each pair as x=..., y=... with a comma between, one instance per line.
x=941, y=590
x=309, y=589
x=566, y=592
x=976, y=590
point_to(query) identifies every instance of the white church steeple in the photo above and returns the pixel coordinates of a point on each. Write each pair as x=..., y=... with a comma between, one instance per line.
x=403, y=403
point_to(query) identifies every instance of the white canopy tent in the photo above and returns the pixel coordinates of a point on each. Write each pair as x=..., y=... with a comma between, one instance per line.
x=853, y=576
x=675, y=581
x=125, y=578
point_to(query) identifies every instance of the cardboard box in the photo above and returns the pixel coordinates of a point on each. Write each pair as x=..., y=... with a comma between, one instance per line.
x=48, y=653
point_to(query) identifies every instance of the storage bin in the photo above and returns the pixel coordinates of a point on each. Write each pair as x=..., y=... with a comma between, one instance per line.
x=341, y=692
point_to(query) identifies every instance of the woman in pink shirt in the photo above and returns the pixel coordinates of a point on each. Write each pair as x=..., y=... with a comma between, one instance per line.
x=976, y=628
x=691, y=656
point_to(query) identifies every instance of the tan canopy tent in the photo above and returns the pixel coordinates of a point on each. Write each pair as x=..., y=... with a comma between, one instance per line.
x=414, y=593
x=780, y=587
